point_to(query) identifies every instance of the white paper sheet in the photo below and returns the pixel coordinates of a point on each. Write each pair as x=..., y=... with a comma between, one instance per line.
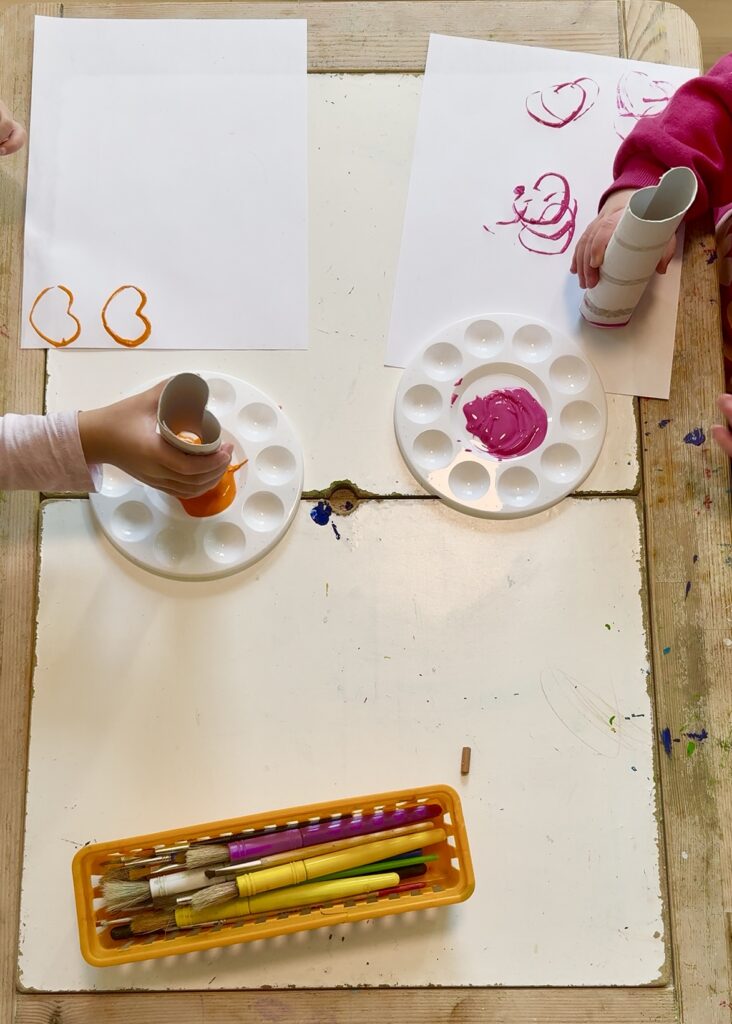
x=168, y=156
x=492, y=121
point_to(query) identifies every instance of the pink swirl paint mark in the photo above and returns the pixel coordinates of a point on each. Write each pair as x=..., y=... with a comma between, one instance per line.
x=639, y=96
x=509, y=422
x=547, y=214
x=560, y=105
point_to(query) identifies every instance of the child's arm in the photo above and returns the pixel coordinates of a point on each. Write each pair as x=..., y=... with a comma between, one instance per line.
x=695, y=130
x=62, y=451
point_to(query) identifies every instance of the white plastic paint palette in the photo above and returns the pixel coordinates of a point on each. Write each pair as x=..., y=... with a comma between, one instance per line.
x=472, y=359
x=154, y=531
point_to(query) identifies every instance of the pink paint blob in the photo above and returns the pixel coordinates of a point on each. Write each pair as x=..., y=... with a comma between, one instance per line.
x=560, y=105
x=509, y=422
x=547, y=214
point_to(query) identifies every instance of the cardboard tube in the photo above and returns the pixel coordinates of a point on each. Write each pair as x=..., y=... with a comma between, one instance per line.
x=182, y=409
x=637, y=244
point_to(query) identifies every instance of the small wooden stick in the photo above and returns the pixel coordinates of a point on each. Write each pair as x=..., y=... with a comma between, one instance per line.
x=465, y=761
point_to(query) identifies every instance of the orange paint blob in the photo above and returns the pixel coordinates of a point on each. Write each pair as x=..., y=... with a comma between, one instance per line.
x=189, y=436
x=215, y=500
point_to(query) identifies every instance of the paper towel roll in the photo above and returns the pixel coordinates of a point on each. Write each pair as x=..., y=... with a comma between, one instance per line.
x=637, y=244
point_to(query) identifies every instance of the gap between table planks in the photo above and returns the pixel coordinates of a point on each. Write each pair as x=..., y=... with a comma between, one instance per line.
x=383, y=36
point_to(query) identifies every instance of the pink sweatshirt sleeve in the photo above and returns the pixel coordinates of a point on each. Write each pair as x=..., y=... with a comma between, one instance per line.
x=44, y=453
x=695, y=130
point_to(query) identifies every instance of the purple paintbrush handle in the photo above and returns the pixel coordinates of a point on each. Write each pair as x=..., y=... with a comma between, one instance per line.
x=263, y=846
x=379, y=822
x=345, y=828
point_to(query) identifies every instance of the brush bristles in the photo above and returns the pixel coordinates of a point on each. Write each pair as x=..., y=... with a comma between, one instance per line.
x=156, y=921
x=203, y=856
x=118, y=873
x=213, y=894
x=121, y=895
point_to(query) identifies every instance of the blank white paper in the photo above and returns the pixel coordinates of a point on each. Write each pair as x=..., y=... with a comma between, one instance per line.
x=506, y=133
x=167, y=185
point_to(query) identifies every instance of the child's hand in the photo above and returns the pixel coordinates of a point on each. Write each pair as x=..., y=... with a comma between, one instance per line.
x=125, y=435
x=12, y=134
x=590, y=251
x=723, y=435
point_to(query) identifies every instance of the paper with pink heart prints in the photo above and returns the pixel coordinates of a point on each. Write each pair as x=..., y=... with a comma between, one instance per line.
x=167, y=185
x=514, y=147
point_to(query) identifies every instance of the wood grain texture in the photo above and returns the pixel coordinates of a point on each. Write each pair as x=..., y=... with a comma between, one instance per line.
x=689, y=539
x=21, y=390
x=410, y=1006
x=686, y=490
x=392, y=35
x=659, y=32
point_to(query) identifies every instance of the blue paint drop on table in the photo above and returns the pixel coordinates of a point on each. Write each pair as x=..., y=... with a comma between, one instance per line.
x=663, y=423
x=698, y=736
x=321, y=513
x=666, y=740
x=696, y=437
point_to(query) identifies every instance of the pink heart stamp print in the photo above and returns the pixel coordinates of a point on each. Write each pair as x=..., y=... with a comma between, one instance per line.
x=560, y=105
x=639, y=96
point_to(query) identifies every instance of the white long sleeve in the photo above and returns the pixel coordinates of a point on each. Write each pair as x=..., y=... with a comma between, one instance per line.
x=44, y=453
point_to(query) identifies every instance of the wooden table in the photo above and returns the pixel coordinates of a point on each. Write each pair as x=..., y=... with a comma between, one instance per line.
x=683, y=492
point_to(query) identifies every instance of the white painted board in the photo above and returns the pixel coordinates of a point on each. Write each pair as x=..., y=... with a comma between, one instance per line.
x=339, y=667
x=338, y=394
x=167, y=184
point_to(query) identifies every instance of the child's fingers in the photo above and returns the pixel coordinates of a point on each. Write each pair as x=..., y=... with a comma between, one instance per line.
x=181, y=466
x=723, y=438
x=592, y=259
x=578, y=261
x=14, y=141
x=668, y=255
x=724, y=404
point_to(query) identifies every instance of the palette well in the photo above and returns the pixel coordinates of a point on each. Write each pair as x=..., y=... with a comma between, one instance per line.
x=500, y=416
x=153, y=530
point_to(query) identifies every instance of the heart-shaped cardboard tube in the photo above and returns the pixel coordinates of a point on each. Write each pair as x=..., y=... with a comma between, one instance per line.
x=182, y=410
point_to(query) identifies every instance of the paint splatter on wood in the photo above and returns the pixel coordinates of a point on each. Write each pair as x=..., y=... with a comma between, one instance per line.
x=696, y=437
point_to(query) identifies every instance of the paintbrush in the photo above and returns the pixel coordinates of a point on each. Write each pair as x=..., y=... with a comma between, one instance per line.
x=311, y=835
x=336, y=846
x=313, y=867
x=400, y=864
x=241, y=910
x=124, y=895
x=165, y=853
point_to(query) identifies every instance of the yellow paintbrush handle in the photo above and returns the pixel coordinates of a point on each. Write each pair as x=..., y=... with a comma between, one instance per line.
x=284, y=899
x=314, y=867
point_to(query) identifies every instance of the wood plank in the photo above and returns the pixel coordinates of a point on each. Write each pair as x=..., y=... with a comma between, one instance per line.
x=21, y=390
x=392, y=35
x=688, y=540
x=688, y=528
x=659, y=32
x=430, y=1006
